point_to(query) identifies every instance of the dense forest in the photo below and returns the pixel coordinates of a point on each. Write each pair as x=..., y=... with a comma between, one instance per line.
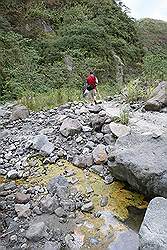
x=52, y=44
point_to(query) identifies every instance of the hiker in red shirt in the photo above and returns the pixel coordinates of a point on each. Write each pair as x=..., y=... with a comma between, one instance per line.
x=91, y=86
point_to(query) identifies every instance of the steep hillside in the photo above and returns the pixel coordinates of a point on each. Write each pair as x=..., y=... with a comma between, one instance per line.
x=153, y=35
x=49, y=44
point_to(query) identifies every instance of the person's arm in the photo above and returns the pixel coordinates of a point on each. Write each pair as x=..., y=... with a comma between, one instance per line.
x=96, y=80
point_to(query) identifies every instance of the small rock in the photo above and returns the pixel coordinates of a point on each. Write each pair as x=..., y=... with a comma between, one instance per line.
x=109, y=139
x=49, y=245
x=104, y=201
x=73, y=180
x=23, y=210
x=39, y=141
x=108, y=179
x=83, y=161
x=60, y=186
x=37, y=210
x=90, y=145
x=61, y=153
x=87, y=207
x=13, y=238
x=119, y=129
x=99, y=154
x=97, y=169
x=94, y=241
x=69, y=173
x=70, y=127
x=3, y=172
x=60, y=212
x=86, y=129
x=12, y=174
x=47, y=149
x=22, y=198
x=89, y=189
x=49, y=204
x=79, y=139
x=24, y=246
x=95, y=109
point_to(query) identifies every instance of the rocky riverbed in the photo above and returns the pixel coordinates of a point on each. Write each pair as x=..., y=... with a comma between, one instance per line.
x=58, y=167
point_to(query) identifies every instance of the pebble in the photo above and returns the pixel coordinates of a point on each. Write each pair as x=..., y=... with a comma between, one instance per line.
x=104, y=201
x=87, y=207
x=13, y=238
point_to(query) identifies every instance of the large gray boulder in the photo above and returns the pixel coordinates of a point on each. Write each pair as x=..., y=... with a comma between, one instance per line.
x=70, y=127
x=158, y=98
x=141, y=160
x=153, y=231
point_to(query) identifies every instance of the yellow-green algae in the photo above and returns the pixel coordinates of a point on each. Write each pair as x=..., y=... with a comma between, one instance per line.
x=119, y=198
x=2, y=179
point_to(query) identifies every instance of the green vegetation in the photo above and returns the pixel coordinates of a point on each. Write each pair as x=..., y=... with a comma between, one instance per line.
x=153, y=34
x=51, y=45
x=124, y=117
x=135, y=91
x=48, y=47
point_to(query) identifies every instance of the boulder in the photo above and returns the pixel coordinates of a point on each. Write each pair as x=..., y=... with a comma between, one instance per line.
x=19, y=112
x=140, y=160
x=118, y=129
x=94, y=108
x=37, y=231
x=41, y=143
x=70, y=127
x=99, y=154
x=60, y=186
x=47, y=149
x=158, y=98
x=83, y=161
x=48, y=204
x=22, y=198
x=153, y=231
x=97, y=122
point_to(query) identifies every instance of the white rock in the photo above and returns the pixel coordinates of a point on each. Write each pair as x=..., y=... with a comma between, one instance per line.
x=118, y=129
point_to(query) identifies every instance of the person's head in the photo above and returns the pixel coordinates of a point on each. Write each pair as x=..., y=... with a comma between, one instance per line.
x=91, y=73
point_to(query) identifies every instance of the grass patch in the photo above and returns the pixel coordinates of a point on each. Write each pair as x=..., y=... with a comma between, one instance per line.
x=57, y=97
x=135, y=91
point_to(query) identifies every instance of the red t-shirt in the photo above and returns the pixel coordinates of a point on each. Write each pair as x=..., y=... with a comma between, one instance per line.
x=91, y=80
